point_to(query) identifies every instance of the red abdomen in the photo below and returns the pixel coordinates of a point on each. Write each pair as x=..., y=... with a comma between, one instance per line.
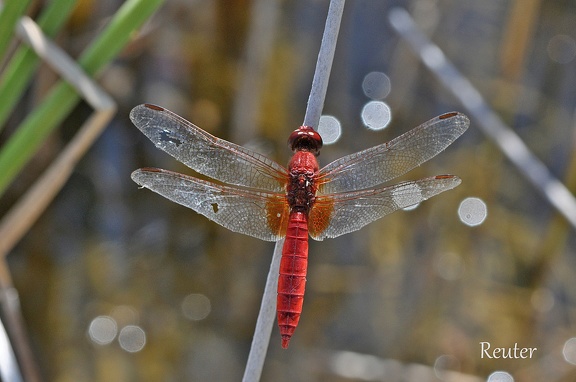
x=292, y=279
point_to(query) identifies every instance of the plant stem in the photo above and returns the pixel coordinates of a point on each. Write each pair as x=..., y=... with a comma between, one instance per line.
x=267, y=312
x=490, y=123
x=324, y=64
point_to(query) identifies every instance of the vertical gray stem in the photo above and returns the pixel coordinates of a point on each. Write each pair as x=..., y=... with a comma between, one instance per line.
x=267, y=315
x=324, y=64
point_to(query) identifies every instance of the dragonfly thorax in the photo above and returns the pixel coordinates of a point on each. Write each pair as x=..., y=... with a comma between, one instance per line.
x=301, y=188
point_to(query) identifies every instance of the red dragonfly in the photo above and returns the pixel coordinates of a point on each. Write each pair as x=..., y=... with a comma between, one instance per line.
x=260, y=198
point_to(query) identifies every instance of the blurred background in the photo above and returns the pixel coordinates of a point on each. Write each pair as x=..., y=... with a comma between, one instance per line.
x=120, y=284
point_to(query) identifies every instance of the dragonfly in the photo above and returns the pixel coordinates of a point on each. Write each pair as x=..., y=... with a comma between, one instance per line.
x=256, y=196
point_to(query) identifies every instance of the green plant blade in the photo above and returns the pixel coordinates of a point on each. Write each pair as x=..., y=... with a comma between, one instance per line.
x=21, y=67
x=62, y=98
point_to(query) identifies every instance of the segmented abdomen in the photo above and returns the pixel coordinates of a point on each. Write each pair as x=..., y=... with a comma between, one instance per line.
x=292, y=279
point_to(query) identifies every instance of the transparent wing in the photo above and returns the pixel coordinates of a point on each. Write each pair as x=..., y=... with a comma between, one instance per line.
x=206, y=154
x=389, y=160
x=258, y=214
x=337, y=214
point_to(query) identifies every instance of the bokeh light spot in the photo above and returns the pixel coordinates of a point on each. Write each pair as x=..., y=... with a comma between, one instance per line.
x=358, y=366
x=500, y=376
x=196, y=307
x=472, y=211
x=569, y=351
x=132, y=338
x=407, y=195
x=376, y=85
x=329, y=129
x=376, y=115
x=102, y=330
x=445, y=363
x=412, y=207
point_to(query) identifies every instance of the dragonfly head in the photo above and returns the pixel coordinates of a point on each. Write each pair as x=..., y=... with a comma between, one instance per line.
x=305, y=138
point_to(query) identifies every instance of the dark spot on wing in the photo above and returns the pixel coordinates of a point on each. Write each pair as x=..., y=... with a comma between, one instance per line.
x=166, y=137
x=215, y=207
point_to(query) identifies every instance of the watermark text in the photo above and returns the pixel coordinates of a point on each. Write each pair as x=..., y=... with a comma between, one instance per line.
x=486, y=351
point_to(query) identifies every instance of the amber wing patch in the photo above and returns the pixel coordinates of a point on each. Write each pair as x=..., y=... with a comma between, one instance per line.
x=277, y=213
x=319, y=216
